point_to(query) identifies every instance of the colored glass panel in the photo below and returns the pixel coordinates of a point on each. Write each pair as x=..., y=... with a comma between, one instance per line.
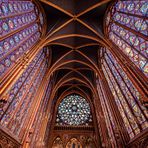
x=21, y=95
x=10, y=59
x=126, y=96
x=19, y=31
x=107, y=113
x=40, y=116
x=127, y=28
x=16, y=14
x=74, y=110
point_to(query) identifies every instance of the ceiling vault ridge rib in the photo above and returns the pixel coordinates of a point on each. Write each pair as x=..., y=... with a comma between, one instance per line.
x=59, y=28
x=73, y=35
x=67, y=36
x=70, y=79
x=75, y=15
x=85, y=45
x=86, y=57
x=88, y=26
x=66, y=79
x=89, y=85
x=67, y=67
x=57, y=7
x=52, y=67
x=95, y=66
x=51, y=70
x=74, y=85
x=68, y=74
x=58, y=85
x=63, y=80
x=68, y=92
x=92, y=7
x=61, y=44
x=57, y=64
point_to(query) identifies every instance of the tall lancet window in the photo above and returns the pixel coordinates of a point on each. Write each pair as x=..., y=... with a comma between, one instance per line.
x=21, y=96
x=126, y=26
x=125, y=94
x=20, y=28
x=107, y=113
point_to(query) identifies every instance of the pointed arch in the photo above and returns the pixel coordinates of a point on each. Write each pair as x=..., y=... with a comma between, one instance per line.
x=73, y=143
x=57, y=143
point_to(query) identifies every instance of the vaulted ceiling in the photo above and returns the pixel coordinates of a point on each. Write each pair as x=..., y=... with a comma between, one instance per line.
x=74, y=36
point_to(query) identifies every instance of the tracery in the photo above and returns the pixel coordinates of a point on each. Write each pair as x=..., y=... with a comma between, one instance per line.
x=14, y=112
x=126, y=26
x=20, y=29
x=125, y=94
x=28, y=117
x=74, y=110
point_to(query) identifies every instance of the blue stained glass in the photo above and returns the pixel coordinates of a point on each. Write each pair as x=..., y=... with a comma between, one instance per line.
x=19, y=31
x=18, y=84
x=11, y=24
x=17, y=53
x=139, y=7
x=132, y=18
x=27, y=102
x=144, y=8
x=5, y=8
x=15, y=7
x=5, y=26
x=23, y=93
x=74, y=110
x=125, y=94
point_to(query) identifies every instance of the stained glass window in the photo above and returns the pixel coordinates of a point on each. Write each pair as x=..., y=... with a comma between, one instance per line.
x=74, y=110
x=37, y=123
x=126, y=25
x=126, y=95
x=107, y=113
x=21, y=26
x=21, y=95
x=20, y=29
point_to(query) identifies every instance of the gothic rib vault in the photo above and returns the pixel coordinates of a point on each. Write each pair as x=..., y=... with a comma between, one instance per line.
x=74, y=40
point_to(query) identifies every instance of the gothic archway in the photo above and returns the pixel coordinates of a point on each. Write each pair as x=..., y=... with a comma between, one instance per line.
x=57, y=143
x=90, y=143
x=73, y=143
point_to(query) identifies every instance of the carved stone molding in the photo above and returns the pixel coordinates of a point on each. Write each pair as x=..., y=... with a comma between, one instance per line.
x=6, y=141
x=140, y=141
